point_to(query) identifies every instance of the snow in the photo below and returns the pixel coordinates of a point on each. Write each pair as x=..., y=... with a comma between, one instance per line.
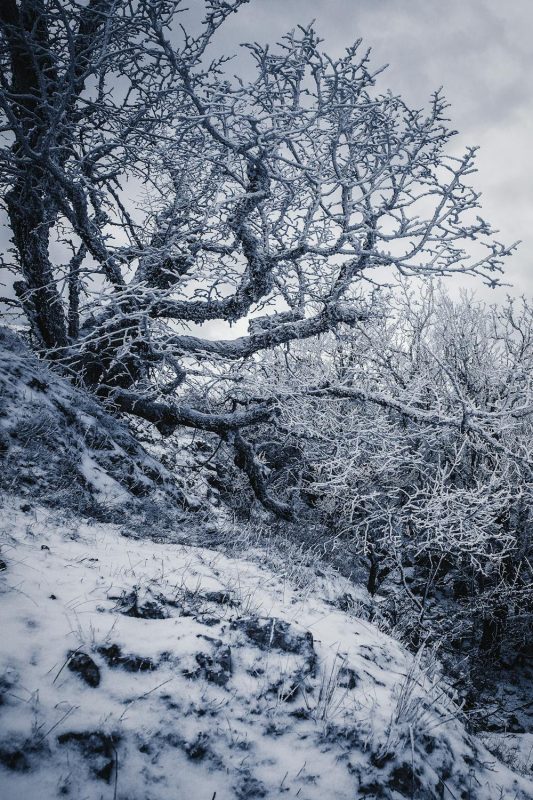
x=107, y=490
x=176, y=732
x=61, y=446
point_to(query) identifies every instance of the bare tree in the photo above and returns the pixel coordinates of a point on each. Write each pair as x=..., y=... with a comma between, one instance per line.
x=416, y=435
x=186, y=198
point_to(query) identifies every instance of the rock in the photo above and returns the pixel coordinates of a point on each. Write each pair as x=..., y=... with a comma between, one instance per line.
x=112, y=654
x=220, y=597
x=3, y=565
x=131, y=663
x=97, y=747
x=372, y=788
x=345, y=602
x=216, y=667
x=141, y=606
x=85, y=668
x=150, y=609
x=270, y=633
x=407, y=782
x=44, y=547
x=205, y=619
x=348, y=678
x=14, y=758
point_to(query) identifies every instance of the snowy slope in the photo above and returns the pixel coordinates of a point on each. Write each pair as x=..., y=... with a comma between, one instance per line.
x=148, y=668
x=144, y=671
x=58, y=444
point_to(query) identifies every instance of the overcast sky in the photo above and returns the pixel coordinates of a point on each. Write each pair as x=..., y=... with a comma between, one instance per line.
x=480, y=51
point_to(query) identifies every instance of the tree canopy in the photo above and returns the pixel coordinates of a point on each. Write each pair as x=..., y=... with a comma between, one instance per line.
x=177, y=197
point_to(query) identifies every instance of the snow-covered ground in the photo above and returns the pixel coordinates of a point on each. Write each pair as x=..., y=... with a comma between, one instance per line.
x=158, y=671
x=146, y=667
x=58, y=444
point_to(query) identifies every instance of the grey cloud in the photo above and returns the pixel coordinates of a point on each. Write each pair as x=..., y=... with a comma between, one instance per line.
x=480, y=52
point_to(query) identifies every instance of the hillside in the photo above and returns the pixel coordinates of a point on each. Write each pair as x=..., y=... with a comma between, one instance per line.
x=136, y=664
x=59, y=445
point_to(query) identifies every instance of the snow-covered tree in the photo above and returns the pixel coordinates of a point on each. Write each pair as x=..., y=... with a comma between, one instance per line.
x=415, y=437
x=147, y=192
